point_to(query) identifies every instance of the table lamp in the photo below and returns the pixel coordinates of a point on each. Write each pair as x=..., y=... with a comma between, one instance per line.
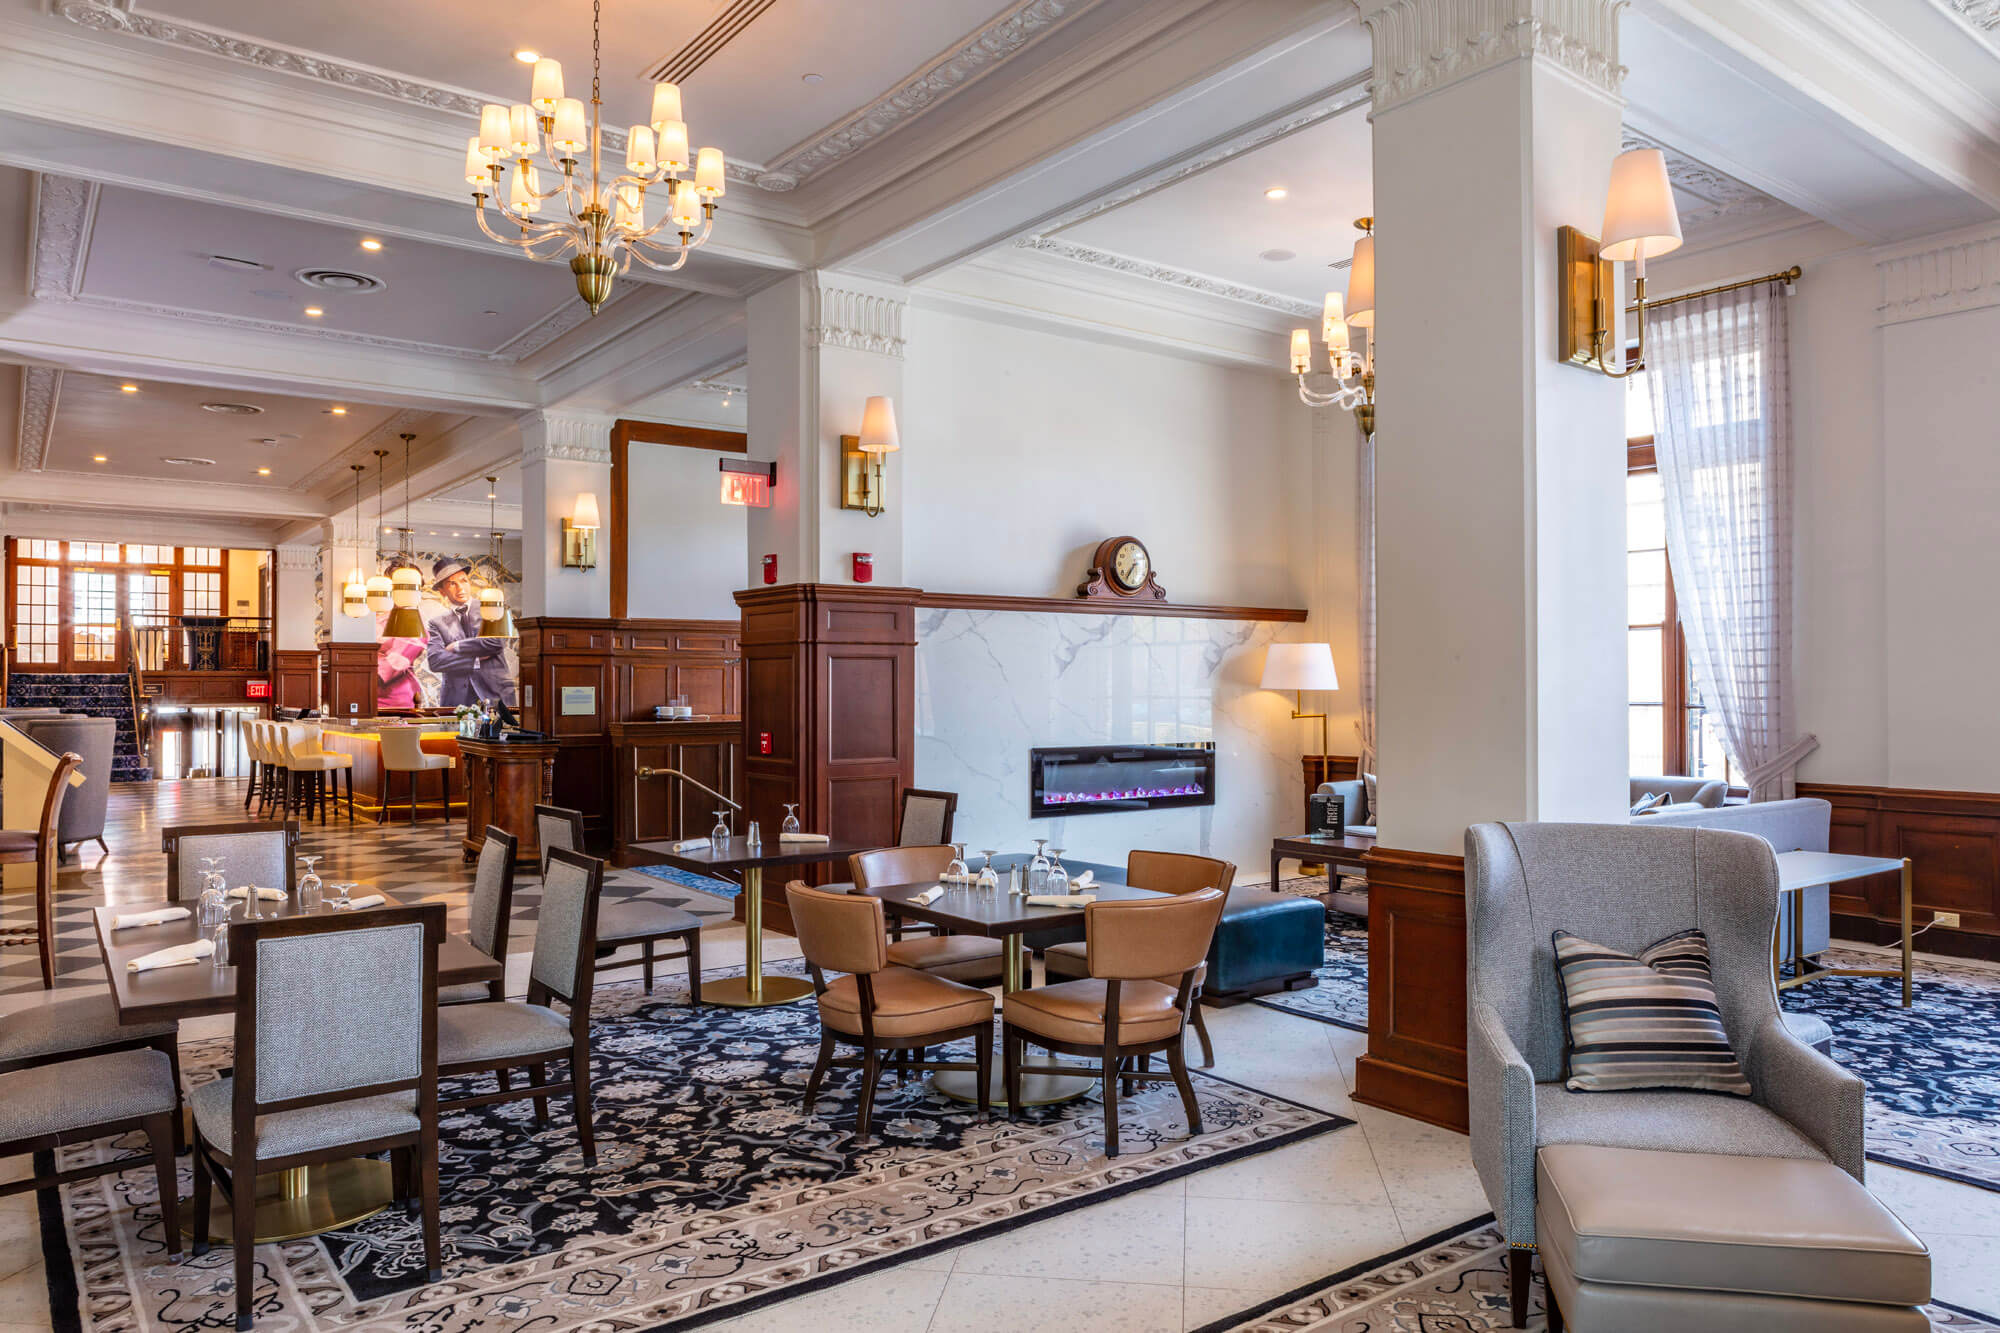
x=1300, y=667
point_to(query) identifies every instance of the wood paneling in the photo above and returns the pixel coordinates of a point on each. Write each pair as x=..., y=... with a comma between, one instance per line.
x=1415, y=1063
x=504, y=782
x=294, y=679
x=662, y=808
x=347, y=679
x=626, y=431
x=1953, y=841
x=975, y=601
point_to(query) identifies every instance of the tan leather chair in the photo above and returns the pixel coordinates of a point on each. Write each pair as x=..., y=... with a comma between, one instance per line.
x=877, y=1006
x=1162, y=872
x=968, y=958
x=1122, y=1010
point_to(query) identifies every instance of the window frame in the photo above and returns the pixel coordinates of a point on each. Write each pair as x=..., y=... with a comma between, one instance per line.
x=1641, y=458
x=67, y=662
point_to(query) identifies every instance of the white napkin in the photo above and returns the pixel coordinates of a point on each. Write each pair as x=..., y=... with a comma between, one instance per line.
x=179, y=955
x=928, y=896
x=372, y=900
x=1085, y=880
x=967, y=878
x=263, y=894
x=813, y=838
x=1061, y=899
x=690, y=844
x=152, y=918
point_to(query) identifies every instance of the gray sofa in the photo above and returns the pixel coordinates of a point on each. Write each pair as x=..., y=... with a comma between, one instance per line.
x=1801, y=825
x=95, y=738
x=1357, y=816
x=1707, y=793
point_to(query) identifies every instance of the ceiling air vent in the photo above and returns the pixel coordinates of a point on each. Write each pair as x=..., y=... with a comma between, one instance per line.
x=233, y=409
x=179, y=461
x=232, y=264
x=1342, y=263
x=339, y=280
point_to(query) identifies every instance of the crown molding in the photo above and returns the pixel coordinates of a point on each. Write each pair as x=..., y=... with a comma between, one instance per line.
x=1942, y=275
x=267, y=327
x=859, y=320
x=1193, y=282
x=41, y=387
x=570, y=315
x=555, y=436
x=298, y=559
x=1422, y=46
x=65, y=209
x=1981, y=18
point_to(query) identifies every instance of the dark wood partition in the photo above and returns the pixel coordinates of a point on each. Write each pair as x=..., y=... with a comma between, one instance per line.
x=347, y=679
x=294, y=678
x=1953, y=841
x=1415, y=1062
x=652, y=809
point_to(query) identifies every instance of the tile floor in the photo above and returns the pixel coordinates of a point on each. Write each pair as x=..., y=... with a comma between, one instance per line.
x=1193, y=1250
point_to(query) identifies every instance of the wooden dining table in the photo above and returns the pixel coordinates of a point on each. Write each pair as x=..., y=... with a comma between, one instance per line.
x=306, y=1200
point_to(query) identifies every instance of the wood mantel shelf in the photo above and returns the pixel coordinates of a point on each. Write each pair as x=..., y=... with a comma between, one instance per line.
x=1078, y=606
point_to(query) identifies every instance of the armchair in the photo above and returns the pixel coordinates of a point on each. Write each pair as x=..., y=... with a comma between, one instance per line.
x=1357, y=811
x=1625, y=887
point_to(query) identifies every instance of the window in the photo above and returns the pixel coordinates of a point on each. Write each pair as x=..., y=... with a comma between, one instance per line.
x=37, y=612
x=93, y=615
x=72, y=602
x=147, y=598
x=201, y=594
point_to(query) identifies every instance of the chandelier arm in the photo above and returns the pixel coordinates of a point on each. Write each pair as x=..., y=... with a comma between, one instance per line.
x=479, y=212
x=533, y=193
x=650, y=232
x=636, y=253
x=532, y=230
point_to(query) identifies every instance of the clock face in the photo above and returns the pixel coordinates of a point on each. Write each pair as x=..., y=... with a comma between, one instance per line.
x=1129, y=565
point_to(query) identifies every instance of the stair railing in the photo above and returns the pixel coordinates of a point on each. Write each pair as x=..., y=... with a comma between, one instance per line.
x=135, y=690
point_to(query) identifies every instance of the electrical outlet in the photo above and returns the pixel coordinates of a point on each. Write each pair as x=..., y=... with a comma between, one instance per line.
x=1947, y=919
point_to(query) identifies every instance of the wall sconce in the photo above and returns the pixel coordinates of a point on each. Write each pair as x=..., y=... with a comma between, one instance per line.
x=858, y=490
x=1639, y=220
x=745, y=482
x=579, y=534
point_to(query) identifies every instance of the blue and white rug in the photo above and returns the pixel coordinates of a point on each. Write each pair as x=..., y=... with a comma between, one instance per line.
x=687, y=879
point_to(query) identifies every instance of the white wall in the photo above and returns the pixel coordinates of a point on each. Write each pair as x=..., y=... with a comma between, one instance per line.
x=684, y=548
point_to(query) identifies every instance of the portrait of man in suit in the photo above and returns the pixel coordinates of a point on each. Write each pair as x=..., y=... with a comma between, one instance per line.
x=470, y=668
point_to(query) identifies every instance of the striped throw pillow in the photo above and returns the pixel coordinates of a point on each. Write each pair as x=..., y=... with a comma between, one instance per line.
x=1645, y=1022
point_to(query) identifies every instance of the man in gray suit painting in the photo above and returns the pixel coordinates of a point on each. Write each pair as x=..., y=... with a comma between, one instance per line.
x=470, y=669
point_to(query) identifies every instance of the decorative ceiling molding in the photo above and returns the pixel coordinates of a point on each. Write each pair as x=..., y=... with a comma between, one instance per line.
x=968, y=60
x=1424, y=45
x=1942, y=280
x=1193, y=282
x=247, y=324
x=299, y=559
x=1982, y=16
x=565, y=437
x=377, y=437
x=571, y=314
x=41, y=386
x=726, y=388
x=724, y=28
x=65, y=209
x=858, y=320
x=1722, y=199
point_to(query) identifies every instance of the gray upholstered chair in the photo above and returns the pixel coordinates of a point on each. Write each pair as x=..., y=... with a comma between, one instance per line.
x=1804, y=824
x=490, y=915
x=1357, y=811
x=1626, y=887
x=924, y=819
x=95, y=738
x=634, y=921
x=261, y=854
x=81, y=1025
x=494, y=1038
x=336, y=1057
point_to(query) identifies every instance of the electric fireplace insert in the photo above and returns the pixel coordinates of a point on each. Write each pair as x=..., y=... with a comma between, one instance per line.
x=1102, y=779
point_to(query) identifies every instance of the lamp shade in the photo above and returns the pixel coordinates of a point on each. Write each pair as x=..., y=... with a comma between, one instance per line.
x=571, y=129
x=476, y=173
x=585, y=515
x=1302, y=351
x=523, y=137
x=354, y=595
x=546, y=90
x=639, y=150
x=673, y=145
x=1334, y=314
x=379, y=590
x=493, y=130
x=878, y=427
x=709, y=176
x=406, y=586
x=521, y=194
x=1640, y=219
x=1299, y=666
x=666, y=105
x=1361, y=285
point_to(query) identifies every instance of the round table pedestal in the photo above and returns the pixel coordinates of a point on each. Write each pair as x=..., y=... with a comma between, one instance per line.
x=307, y=1200
x=735, y=991
x=962, y=1085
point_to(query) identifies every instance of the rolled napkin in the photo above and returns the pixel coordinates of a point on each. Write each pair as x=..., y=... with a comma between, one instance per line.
x=372, y=900
x=153, y=918
x=968, y=878
x=1061, y=899
x=1085, y=880
x=178, y=956
x=928, y=896
x=816, y=839
x=690, y=844
x=265, y=895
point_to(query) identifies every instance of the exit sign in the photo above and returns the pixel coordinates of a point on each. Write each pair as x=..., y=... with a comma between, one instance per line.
x=256, y=689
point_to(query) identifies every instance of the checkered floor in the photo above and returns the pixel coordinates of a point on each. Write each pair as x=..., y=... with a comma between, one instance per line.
x=417, y=864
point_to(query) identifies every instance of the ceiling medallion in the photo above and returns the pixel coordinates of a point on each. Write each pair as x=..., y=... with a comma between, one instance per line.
x=606, y=228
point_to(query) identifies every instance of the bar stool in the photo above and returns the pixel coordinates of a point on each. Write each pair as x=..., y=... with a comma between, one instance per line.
x=403, y=752
x=275, y=784
x=39, y=845
x=256, y=761
x=309, y=763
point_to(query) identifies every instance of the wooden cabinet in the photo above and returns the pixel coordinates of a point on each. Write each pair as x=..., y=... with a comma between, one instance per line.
x=662, y=807
x=504, y=782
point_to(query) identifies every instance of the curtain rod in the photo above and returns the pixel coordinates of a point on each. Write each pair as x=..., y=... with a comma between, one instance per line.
x=1792, y=274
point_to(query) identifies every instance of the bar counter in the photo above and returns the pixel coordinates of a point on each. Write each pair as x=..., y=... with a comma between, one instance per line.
x=383, y=796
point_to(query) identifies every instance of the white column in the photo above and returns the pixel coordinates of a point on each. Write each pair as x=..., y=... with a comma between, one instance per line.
x=1500, y=471
x=564, y=454
x=821, y=345
x=301, y=609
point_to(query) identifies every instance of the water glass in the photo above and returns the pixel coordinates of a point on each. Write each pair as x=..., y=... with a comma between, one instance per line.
x=987, y=878
x=221, y=937
x=309, y=885
x=956, y=871
x=1058, y=880
x=791, y=824
x=1038, y=869
x=720, y=833
x=212, y=909
x=340, y=896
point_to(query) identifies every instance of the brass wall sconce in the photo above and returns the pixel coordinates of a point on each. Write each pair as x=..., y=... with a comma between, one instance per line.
x=861, y=455
x=579, y=534
x=1639, y=220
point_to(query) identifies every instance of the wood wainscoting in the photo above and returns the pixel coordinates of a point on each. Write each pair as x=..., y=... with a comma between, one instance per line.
x=1415, y=1062
x=294, y=679
x=347, y=679
x=580, y=676
x=1953, y=841
x=662, y=808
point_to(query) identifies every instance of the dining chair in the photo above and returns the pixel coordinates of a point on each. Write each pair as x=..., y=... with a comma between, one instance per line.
x=1162, y=872
x=631, y=921
x=969, y=958
x=84, y=1025
x=264, y=853
x=924, y=818
x=403, y=752
x=495, y=1038
x=336, y=1056
x=878, y=1006
x=95, y=1096
x=490, y=917
x=41, y=845
x=1121, y=1010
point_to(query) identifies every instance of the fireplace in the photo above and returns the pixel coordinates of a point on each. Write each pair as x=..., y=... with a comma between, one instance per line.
x=1102, y=779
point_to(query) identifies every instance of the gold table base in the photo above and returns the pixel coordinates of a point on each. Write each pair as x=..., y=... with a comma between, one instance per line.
x=1803, y=970
x=306, y=1200
x=754, y=990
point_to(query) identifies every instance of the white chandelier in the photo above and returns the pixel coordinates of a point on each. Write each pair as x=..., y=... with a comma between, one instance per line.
x=1353, y=373
x=606, y=228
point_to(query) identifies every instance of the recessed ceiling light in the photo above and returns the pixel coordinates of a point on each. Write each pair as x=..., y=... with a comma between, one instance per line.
x=370, y=243
x=186, y=461
x=314, y=312
x=811, y=78
x=99, y=458
x=526, y=56
x=492, y=495
x=128, y=388
x=267, y=439
x=338, y=411
x=454, y=534
x=263, y=472
x=1275, y=192
x=489, y=312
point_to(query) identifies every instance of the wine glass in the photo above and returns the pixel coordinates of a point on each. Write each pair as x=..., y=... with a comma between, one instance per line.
x=309, y=885
x=340, y=896
x=988, y=879
x=1058, y=881
x=720, y=833
x=1038, y=869
x=212, y=910
x=955, y=871
x=791, y=824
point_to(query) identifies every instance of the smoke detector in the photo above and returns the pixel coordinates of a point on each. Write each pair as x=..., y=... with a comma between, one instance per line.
x=233, y=409
x=339, y=280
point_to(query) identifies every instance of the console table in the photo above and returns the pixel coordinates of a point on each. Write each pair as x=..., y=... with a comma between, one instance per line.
x=504, y=782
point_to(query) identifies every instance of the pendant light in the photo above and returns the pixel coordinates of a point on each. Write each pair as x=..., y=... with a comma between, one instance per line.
x=354, y=593
x=379, y=587
x=405, y=583
x=495, y=621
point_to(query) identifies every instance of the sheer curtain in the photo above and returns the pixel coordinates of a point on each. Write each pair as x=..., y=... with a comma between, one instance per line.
x=1365, y=564
x=1722, y=434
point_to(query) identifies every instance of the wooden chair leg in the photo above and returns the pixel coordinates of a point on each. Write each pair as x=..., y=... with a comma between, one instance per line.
x=1201, y=1032
x=203, y=1185
x=538, y=1075
x=349, y=772
x=427, y=1176
x=413, y=798
x=871, y=1072
x=45, y=914
x=646, y=963
x=579, y=1070
x=982, y=1055
x=1010, y=1067
x=399, y=1179
x=1521, y=1282
x=1110, y=1073
x=250, y=790
x=693, y=940
x=170, y=1047
x=243, y=1239
x=820, y=1066
x=160, y=1135
x=1177, y=1063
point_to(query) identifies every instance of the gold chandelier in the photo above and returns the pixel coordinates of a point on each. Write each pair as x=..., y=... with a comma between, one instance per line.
x=606, y=228
x=1353, y=374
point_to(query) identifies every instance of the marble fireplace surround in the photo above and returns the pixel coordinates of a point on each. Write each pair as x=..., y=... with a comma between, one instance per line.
x=993, y=683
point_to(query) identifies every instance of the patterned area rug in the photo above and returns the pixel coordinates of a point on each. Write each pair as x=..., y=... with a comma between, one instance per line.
x=714, y=1192
x=687, y=879
x=1340, y=995
x=1453, y=1282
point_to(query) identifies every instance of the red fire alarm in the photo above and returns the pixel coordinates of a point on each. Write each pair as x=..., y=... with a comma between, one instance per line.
x=770, y=569
x=763, y=742
x=864, y=567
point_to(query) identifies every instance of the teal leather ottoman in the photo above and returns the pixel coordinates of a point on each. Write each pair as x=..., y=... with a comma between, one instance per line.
x=1266, y=941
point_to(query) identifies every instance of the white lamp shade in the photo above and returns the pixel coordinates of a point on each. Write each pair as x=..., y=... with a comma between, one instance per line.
x=585, y=515
x=1302, y=351
x=1299, y=666
x=1640, y=219
x=878, y=427
x=639, y=150
x=1337, y=340
x=1361, y=285
x=686, y=205
x=571, y=130
x=673, y=149
x=406, y=586
x=522, y=135
x=666, y=105
x=546, y=90
x=631, y=210
x=1334, y=314
x=354, y=596
x=492, y=604
x=379, y=590
x=476, y=174
x=708, y=172
x=493, y=130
